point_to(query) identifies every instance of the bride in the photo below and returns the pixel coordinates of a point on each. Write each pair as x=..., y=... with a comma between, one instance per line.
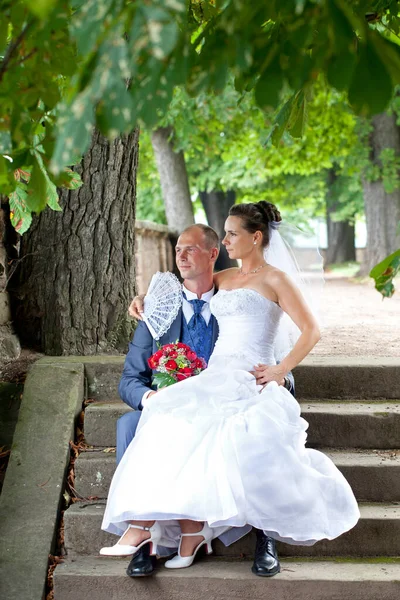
x=222, y=451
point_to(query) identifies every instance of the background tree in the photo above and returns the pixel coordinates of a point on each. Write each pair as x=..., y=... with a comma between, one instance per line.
x=174, y=180
x=70, y=63
x=381, y=187
x=340, y=231
x=224, y=142
x=269, y=48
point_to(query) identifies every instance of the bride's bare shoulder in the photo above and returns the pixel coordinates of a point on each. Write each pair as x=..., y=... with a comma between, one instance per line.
x=224, y=275
x=275, y=277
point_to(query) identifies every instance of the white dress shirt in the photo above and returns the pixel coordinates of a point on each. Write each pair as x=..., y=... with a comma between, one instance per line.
x=187, y=308
x=188, y=313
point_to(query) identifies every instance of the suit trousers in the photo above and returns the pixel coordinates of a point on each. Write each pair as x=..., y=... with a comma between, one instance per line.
x=126, y=429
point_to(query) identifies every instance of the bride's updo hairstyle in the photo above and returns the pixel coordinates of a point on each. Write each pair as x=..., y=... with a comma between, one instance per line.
x=256, y=216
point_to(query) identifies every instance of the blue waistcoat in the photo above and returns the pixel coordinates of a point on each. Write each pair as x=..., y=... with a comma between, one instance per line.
x=204, y=345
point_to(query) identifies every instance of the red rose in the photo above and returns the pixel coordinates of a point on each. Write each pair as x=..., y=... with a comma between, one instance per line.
x=184, y=346
x=152, y=363
x=173, y=354
x=199, y=363
x=187, y=370
x=171, y=365
x=191, y=355
x=181, y=376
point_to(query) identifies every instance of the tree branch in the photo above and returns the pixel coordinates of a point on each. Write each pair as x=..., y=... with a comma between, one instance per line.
x=24, y=58
x=12, y=48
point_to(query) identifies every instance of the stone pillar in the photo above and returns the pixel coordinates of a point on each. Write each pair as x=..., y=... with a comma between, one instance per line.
x=154, y=252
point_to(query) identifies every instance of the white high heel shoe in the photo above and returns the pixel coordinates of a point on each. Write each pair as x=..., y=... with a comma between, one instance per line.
x=180, y=562
x=126, y=550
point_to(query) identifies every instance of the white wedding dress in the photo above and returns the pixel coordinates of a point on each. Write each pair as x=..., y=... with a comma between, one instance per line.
x=214, y=448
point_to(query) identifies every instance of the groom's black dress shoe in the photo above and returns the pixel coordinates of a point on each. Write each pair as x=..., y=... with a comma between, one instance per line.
x=266, y=562
x=142, y=564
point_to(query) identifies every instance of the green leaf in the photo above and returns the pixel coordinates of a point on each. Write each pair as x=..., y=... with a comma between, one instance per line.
x=389, y=54
x=22, y=159
x=341, y=29
x=36, y=190
x=40, y=8
x=7, y=180
x=88, y=23
x=162, y=30
x=280, y=124
x=269, y=85
x=340, y=70
x=20, y=215
x=3, y=34
x=384, y=274
x=163, y=380
x=153, y=94
x=371, y=86
x=117, y=112
x=69, y=179
x=41, y=191
x=75, y=127
x=5, y=142
x=299, y=116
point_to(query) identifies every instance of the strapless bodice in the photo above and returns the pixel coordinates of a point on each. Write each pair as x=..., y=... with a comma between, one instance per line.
x=248, y=323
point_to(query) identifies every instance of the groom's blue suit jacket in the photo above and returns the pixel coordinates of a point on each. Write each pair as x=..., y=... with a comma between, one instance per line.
x=137, y=375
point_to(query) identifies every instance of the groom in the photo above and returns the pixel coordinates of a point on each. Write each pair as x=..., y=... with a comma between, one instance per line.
x=196, y=252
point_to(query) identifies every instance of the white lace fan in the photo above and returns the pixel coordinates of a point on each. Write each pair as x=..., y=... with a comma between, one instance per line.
x=162, y=303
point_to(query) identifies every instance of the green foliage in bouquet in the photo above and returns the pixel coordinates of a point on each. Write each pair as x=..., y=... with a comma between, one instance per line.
x=163, y=380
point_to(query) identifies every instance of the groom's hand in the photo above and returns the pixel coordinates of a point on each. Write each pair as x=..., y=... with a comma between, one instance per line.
x=136, y=307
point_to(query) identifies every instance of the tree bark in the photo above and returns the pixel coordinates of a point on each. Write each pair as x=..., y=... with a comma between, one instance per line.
x=382, y=210
x=174, y=181
x=341, y=234
x=77, y=267
x=9, y=344
x=216, y=205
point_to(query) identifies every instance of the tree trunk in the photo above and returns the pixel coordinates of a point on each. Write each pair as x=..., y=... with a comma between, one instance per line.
x=9, y=344
x=216, y=206
x=77, y=269
x=174, y=181
x=341, y=234
x=382, y=210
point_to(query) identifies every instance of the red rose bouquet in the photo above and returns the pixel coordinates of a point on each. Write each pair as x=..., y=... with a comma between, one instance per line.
x=175, y=362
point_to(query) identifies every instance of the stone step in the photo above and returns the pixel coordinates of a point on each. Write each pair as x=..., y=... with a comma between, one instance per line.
x=348, y=377
x=332, y=424
x=373, y=475
x=92, y=578
x=376, y=534
x=316, y=377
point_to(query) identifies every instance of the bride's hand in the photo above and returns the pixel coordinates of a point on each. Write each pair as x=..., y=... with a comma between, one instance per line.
x=264, y=374
x=136, y=307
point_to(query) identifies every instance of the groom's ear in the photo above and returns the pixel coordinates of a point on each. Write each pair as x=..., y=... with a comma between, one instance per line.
x=214, y=254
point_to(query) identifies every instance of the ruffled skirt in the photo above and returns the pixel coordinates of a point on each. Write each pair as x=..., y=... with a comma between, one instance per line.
x=213, y=448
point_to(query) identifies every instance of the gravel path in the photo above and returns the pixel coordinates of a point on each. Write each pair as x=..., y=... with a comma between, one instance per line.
x=357, y=321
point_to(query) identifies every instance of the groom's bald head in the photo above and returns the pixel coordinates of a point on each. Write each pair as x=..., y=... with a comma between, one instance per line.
x=210, y=236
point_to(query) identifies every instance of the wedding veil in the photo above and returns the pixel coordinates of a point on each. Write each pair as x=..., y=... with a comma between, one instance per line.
x=309, y=278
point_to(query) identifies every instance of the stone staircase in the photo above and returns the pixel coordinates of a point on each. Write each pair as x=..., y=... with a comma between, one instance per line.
x=360, y=431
